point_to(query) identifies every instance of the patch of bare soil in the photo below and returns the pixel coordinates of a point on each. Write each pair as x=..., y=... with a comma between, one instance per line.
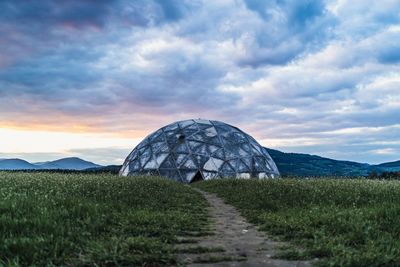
x=234, y=242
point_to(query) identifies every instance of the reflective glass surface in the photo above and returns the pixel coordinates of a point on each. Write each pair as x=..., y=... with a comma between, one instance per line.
x=200, y=149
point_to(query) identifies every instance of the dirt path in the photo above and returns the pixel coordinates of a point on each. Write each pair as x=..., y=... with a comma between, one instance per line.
x=238, y=242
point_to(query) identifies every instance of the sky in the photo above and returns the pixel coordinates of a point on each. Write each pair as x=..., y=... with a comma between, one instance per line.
x=93, y=78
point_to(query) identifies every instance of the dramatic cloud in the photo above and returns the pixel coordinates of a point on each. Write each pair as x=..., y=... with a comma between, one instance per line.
x=320, y=77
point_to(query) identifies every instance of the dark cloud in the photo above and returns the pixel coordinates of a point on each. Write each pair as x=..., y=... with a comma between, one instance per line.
x=297, y=13
x=291, y=29
x=390, y=55
x=31, y=15
x=305, y=71
x=172, y=9
x=37, y=16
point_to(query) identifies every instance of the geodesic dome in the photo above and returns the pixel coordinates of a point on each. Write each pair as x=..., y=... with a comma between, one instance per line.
x=193, y=150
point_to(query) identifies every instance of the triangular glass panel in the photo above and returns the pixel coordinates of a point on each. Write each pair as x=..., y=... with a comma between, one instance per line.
x=185, y=124
x=134, y=166
x=200, y=160
x=211, y=149
x=155, y=147
x=188, y=175
x=219, y=153
x=182, y=148
x=144, y=150
x=144, y=158
x=124, y=170
x=259, y=164
x=200, y=121
x=133, y=154
x=168, y=163
x=218, y=162
x=242, y=167
x=248, y=161
x=151, y=164
x=246, y=147
x=196, y=137
x=192, y=127
x=234, y=163
x=229, y=154
x=194, y=146
x=218, y=123
x=189, y=132
x=163, y=148
x=242, y=153
x=226, y=168
x=213, y=164
x=227, y=141
x=202, y=150
x=239, y=137
x=142, y=144
x=160, y=158
x=210, y=165
x=271, y=164
x=256, y=150
x=251, y=139
x=214, y=141
x=189, y=164
x=160, y=138
x=222, y=130
x=171, y=127
x=180, y=159
x=157, y=136
x=265, y=152
x=210, y=132
x=170, y=134
x=204, y=126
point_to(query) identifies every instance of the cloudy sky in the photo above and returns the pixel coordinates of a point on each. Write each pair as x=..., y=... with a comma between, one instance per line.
x=92, y=78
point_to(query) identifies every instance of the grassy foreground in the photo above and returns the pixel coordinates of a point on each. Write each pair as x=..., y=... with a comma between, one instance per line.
x=85, y=219
x=342, y=222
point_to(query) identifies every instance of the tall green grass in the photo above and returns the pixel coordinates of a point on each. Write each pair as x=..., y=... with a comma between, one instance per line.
x=341, y=222
x=85, y=219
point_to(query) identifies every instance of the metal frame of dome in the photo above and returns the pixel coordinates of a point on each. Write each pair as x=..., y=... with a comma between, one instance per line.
x=192, y=150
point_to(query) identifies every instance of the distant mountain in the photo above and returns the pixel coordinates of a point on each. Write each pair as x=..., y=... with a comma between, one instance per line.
x=61, y=164
x=16, y=164
x=69, y=164
x=390, y=166
x=296, y=164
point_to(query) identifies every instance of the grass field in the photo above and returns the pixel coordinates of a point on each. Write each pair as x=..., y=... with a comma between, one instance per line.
x=105, y=220
x=342, y=222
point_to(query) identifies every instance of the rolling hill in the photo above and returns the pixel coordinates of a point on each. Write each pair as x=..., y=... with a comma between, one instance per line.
x=72, y=163
x=296, y=164
x=16, y=164
x=390, y=166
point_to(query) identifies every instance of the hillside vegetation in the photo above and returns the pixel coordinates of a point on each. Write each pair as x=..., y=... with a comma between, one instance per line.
x=51, y=219
x=341, y=222
x=296, y=164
